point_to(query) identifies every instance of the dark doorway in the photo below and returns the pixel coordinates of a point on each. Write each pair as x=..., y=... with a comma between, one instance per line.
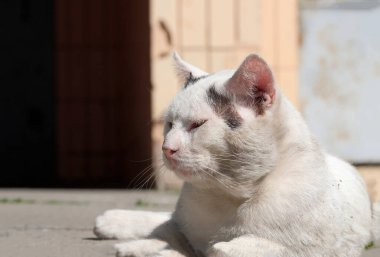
x=26, y=98
x=75, y=108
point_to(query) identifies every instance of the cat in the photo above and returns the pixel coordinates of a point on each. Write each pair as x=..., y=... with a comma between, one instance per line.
x=256, y=183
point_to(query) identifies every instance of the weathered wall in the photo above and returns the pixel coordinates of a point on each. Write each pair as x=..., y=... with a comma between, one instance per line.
x=340, y=78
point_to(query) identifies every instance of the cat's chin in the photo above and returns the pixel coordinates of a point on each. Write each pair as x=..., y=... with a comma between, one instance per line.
x=184, y=173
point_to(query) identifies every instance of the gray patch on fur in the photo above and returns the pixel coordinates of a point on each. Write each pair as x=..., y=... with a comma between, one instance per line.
x=223, y=106
x=192, y=80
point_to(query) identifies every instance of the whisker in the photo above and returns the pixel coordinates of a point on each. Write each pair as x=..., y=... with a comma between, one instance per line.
x=146, y=181
x=140, y=175
x=216, y=178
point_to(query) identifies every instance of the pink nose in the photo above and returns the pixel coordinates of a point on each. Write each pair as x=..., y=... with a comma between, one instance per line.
x=169, y=152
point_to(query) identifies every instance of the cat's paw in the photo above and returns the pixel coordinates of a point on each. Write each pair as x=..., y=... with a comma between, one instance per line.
x=113, y=224
x=226, y=249
x=246, y=246
x=169, y=253
x=221, y=249
x=123, y=224
x=141, y=248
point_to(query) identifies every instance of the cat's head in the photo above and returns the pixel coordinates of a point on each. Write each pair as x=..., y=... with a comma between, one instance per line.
x=218, y=128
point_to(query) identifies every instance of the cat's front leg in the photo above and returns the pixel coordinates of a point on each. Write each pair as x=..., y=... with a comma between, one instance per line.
x=247, y=246
x=125, y=224
x=146, y=248
x=164, y=241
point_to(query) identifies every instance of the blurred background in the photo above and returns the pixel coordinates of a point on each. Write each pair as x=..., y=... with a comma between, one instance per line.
x=84, y=83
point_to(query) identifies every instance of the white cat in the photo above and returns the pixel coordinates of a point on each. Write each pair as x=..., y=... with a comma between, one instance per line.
x=257, y=184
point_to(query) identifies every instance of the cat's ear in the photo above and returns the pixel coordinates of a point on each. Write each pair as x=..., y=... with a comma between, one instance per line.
x=185, y=71
x=253, y=84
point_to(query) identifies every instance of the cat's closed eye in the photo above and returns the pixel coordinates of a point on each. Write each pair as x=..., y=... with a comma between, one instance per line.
x=196, y=124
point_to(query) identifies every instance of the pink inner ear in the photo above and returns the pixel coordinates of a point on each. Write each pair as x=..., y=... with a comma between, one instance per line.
x=252, y=77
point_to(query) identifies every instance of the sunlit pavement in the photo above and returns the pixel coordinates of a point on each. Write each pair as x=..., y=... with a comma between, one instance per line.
x=39, y=223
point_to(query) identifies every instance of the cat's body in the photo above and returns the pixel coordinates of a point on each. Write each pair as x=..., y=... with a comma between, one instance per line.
x=256, y=182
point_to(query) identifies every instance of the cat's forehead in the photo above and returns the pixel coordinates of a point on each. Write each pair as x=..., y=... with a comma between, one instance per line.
x=191, y=101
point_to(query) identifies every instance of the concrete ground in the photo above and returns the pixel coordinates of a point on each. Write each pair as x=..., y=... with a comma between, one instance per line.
x=39, y=223
x=58, y=223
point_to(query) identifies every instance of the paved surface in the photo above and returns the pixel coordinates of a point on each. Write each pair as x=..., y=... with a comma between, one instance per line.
x=58, y=223
x=47, y=223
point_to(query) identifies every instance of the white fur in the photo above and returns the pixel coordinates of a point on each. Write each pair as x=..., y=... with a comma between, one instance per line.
x=275, y=194
x=121, y=224
x=246, y=246
x=141, y=248
x=184, y=70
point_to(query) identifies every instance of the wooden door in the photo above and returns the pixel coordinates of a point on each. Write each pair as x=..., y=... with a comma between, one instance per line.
x=102, y=77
